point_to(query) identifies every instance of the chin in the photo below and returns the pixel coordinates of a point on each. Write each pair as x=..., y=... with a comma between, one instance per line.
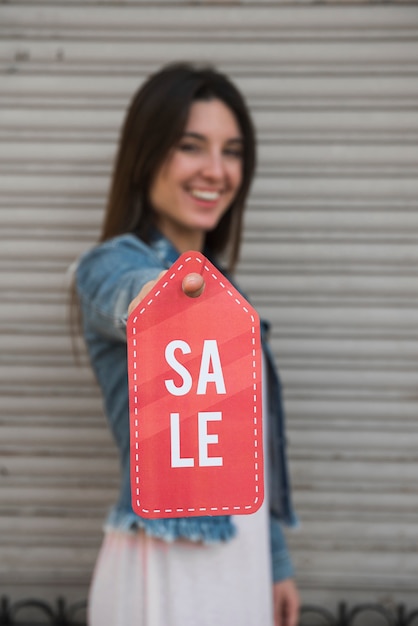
x=209, y=229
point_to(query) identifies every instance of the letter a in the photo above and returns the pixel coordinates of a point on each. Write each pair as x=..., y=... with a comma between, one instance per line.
x=210, y=355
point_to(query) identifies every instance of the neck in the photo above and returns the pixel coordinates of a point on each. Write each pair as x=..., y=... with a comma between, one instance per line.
x=184, y=240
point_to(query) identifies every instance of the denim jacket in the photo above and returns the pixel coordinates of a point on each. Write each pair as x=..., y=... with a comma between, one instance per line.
x=108, y=277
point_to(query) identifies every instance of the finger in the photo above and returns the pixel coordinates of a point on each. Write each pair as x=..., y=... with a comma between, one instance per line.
x=160, y=275
x=193, y=285
x=144, y=291
x=290, y=612
x=293, y=616
x=278, y=612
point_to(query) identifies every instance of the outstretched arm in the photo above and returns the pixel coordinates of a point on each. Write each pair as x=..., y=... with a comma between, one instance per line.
x=193, y=285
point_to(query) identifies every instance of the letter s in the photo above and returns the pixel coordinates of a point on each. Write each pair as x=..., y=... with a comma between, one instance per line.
x=184, y=373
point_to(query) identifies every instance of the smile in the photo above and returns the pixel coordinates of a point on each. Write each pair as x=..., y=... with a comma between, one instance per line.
x=205, y=195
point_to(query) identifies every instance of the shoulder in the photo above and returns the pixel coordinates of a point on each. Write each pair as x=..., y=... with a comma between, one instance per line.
x=122, y=246
x=123, y=249
x=114, y=257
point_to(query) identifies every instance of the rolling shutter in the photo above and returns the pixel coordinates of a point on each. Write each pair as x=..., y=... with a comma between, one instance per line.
x=330, y=257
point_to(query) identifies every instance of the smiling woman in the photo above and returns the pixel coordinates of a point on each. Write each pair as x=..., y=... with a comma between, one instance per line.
x=183, y=171
x=154, y=131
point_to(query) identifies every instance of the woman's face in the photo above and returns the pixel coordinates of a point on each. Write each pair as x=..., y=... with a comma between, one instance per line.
x=200, y=177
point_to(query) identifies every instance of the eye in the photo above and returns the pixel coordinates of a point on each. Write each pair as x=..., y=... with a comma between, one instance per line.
x=188, y=146
x=235, y=152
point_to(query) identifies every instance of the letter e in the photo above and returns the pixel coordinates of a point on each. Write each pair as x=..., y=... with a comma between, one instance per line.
x=205, y=439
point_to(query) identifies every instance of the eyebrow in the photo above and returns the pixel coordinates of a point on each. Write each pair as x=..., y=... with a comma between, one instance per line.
x=200, y=137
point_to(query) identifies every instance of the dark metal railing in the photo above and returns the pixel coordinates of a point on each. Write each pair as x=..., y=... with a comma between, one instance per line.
x=367, y=614
x=32, y=612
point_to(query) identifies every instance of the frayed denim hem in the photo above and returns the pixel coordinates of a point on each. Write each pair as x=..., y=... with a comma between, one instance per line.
x=207, y=529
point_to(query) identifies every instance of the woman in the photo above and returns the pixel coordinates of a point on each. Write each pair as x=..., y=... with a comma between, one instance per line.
x=183, y=171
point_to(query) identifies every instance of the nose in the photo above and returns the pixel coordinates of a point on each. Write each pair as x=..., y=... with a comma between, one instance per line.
x=214, y=167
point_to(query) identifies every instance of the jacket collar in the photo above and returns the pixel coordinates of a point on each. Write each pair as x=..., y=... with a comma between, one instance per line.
x=163, y=248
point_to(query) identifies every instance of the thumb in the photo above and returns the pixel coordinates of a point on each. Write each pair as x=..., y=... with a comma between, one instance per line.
x=193, y=285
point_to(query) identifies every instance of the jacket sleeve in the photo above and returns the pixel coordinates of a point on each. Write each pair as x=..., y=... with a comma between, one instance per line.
x=282, y=567
x=107, y=279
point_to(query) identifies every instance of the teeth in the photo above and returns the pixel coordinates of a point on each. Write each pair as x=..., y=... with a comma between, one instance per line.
x=205, y=195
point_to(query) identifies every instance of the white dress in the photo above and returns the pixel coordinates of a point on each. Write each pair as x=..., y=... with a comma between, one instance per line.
x=143, y=581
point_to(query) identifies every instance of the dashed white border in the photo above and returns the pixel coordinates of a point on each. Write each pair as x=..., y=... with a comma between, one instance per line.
x=207, y=510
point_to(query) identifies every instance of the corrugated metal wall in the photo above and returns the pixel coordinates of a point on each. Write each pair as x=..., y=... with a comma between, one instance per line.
x=330, y=256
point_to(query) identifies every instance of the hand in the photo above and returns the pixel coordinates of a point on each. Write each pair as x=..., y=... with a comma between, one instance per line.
x=193, y=285
x=286, y=603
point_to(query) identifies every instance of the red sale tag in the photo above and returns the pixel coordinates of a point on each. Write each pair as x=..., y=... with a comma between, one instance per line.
x=194, y=369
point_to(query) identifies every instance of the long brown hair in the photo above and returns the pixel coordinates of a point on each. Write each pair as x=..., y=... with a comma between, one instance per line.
x=154, y=123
